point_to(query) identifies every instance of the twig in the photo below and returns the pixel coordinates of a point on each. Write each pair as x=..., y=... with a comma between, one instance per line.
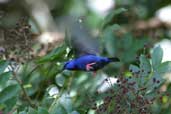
x=23, y=89
x=33, y=70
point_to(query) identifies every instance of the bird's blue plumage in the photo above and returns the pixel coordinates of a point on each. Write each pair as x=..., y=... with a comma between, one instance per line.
x=88, y=63
x=85, y=47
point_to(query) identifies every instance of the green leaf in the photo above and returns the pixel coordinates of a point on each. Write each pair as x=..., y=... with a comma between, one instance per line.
x=9, y=92
x=3, y=65
x=23, y=112
x=42, y=111
x=112, y=14
x=111, y=28
x=145, y=70
x=109, y=39
x=66, y=102
x=60, y=80
x=74, y=112
x=164, y=67
x=10, y=103
x=53, y=55
x=128, y=42
x=62, y=106
x=4, y=77
x=57, y=108
x=155, y=81
x=157, y=56
x=32, y=111
x=15, y=112
x=114, y=27
x=145, y=66
x=134, y=68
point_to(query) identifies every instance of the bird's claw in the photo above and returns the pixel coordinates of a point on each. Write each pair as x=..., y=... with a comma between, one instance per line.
x=89, y=66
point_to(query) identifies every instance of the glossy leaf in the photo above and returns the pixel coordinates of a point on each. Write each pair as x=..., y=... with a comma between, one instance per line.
x=9, y=92
x=60, y=80
x=53, y=91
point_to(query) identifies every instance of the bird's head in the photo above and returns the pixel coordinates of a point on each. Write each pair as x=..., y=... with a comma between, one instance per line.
x=70, y=65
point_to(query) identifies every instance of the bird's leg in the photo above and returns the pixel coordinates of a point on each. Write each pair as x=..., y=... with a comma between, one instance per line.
x=89, y=67
x=94, y=73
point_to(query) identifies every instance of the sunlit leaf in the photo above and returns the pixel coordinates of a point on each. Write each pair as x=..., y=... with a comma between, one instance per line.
x=4, y=77
x=66, y=102
x=157, y=57
x=53, y=91
x=60, y=80
x=3, y=65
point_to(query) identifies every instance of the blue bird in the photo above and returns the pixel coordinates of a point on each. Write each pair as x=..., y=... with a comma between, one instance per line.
x=85, y=46
x=89, y=62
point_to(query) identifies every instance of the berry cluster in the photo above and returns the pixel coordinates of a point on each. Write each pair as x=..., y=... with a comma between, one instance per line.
x=134, y=93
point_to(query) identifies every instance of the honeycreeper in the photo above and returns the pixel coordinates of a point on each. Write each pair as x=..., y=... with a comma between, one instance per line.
x=85, y=46
x=89, y=63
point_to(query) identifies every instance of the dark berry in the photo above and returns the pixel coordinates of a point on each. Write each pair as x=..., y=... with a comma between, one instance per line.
x=158, y=81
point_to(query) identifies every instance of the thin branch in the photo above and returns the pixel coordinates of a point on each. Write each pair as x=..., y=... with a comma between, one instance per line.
x=33, y=70
x=23, y=89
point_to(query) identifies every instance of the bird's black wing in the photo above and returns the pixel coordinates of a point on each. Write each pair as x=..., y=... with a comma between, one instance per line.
x=79, y=37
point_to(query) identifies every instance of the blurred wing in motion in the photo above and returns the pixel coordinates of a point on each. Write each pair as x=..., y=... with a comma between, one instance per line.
x=78, y=36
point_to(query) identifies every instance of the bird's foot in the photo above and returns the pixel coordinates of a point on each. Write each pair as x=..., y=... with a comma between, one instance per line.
x=89, y=66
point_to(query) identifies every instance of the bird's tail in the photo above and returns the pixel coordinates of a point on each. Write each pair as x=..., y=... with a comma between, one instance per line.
x=114, y=59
